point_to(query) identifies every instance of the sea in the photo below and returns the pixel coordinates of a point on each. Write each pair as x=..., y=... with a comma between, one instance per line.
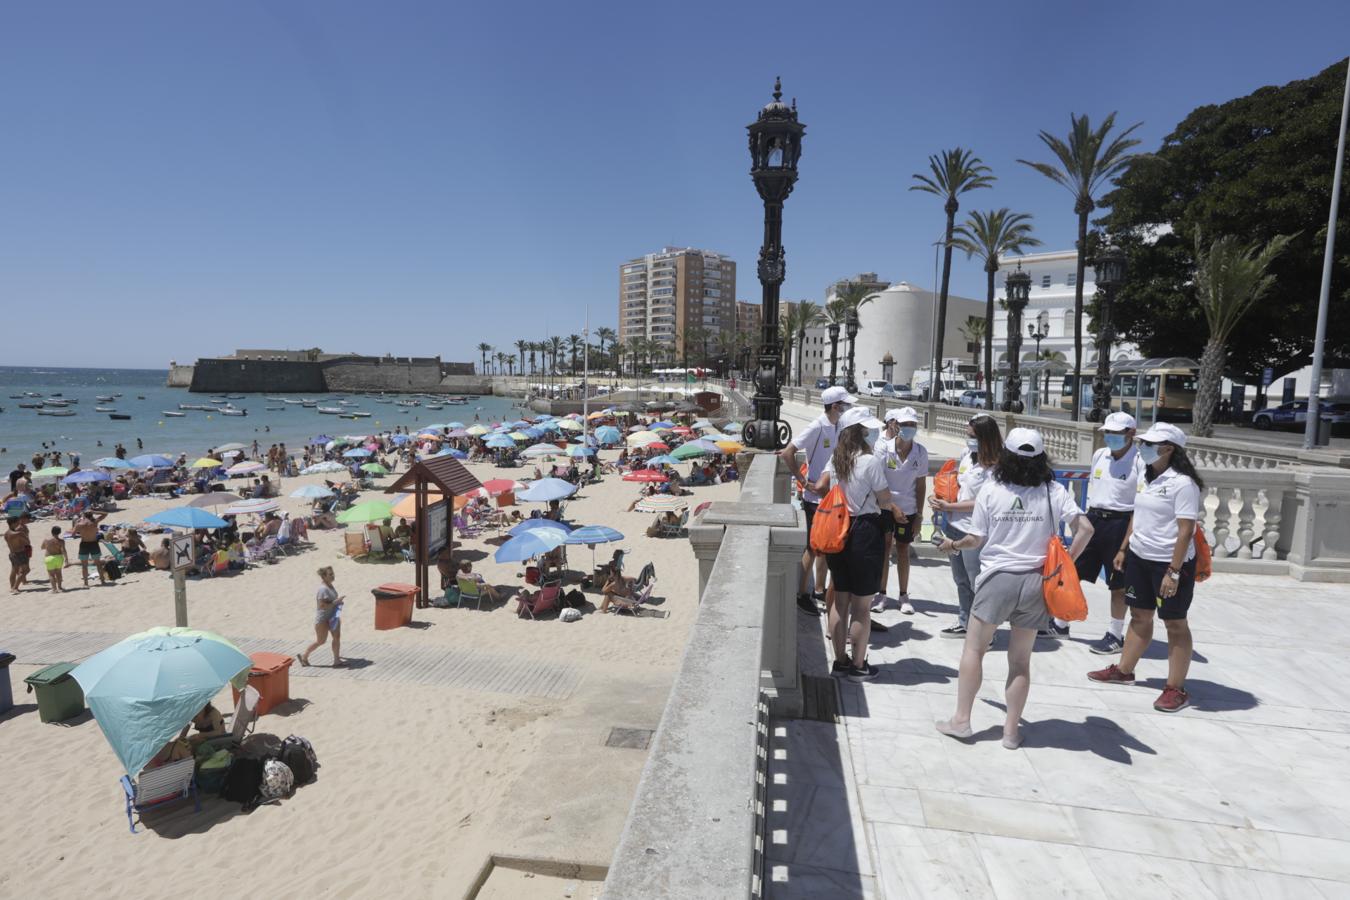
x=142, y=394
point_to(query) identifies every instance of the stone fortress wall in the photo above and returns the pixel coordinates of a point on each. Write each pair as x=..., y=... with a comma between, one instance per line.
x=315, y=372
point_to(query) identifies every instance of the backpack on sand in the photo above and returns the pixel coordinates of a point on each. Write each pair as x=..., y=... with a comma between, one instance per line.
x=278, y=782
x=829, y=527
x=298, y=754
x=243, y=782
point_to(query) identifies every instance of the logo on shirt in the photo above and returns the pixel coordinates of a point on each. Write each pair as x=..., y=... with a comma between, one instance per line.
x=890, y=463
x=826, y=443
x=1016, y=505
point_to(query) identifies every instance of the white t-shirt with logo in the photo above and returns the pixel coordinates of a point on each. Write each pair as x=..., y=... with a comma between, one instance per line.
x=1016, y=524
x=1112, y=483
x=970, y=477
x=1157, y=506
x=860, y=491
x=902, y=474
x=817, y=440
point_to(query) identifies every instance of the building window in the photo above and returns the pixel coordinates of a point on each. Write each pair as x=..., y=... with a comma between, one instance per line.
x=1073, y=279
x=1045, y=281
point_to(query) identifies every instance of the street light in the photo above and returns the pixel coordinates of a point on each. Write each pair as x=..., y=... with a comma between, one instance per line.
x=775, y=147
x=1109, y=269
x=833, y=329
x=1017, y=286
x=1039, y=332
x=851, y=330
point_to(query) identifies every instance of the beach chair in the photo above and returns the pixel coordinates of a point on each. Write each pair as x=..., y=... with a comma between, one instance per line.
x=634, y=603
x=263, y=552
x=665, y=529
x=354, y=544
x=464, y=527
x=160, y=787
x=245, y=719
x=469, y=589
x=375, y=541
x=541, y=601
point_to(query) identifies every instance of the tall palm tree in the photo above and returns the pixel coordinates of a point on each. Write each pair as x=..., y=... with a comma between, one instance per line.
x=574, y=347
x=850, y=297
x=605, y=334
x=990, y=235
x=975, y=331
x=809, y=315
x=521, y=345
x=1083, y=164
x=555, y=344
x=952, y=173
x=532, y=346
x=484, y=349
x=1229, y=278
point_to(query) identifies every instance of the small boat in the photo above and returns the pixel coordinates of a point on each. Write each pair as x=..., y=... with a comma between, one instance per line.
x=231, y=411
x=274, y=408
x=140, y=396
x=105, y=409
x=29, y=405
x=234, y=396
x=119, y=416
x=173, y=414
x=219, y=400
x=383, y=400
x=275, y=399
x=16, y=396
x=457, y=401
x=331, y=410
x=309, y=404
x=354, y=415
x=31, y=394
x=291, y=402
x=434, y=406
x=105, y=398
x=56, y=412
x=409, y=403
x=53, y=402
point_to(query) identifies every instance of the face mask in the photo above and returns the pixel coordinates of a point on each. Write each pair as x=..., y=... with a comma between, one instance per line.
x=1149, y=454
x=1115, y=441
x=907, y=432
x=873, y=434
x=973, y=445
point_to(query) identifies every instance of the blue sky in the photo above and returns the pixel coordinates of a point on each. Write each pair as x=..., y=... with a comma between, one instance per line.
x=177, y=179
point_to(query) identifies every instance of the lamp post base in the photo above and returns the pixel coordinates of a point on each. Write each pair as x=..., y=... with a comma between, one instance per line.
x=766, y=434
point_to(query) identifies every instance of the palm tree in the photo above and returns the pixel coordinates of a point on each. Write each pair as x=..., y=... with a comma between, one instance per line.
x=555, y=344
x=954, y=172
x=851, y=296
x=603, y=334
x=1229, y=278
x=808, y=315
x=521, y=345
x=990, y=235
x=975, y=331
x=532, y=346
x=1084, y=163
x=484, y=349
x=573, y=346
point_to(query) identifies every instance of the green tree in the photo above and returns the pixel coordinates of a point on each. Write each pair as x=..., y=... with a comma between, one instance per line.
x=951, y=174
x=521, y=344
x=484, y=349
x=554, y=346
x=605, y=335
x=990, y=235
x=1255, y=167
x=808, y=315
x=1229, y=278
x=1086, y=161
x=975, y=331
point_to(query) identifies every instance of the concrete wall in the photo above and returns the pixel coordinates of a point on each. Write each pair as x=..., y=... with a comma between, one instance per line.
x=392, y=374
x=238, y=375
x=179, y=376
x=381, y=374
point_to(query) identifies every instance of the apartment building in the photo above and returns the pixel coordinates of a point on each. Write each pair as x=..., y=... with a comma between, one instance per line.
x=749, y=318
x=664, y=296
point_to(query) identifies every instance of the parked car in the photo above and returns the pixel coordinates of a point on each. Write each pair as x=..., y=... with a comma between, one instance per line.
x=878, y=389
x=973, y=399
x=1295, y=415
x=822, y=383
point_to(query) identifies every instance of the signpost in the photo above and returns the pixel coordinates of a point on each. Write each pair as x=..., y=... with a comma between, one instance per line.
x=182, y=561
x=436, y=531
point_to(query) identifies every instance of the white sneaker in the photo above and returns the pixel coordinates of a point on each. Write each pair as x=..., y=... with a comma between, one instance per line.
x=906, y=607
x=879, y=603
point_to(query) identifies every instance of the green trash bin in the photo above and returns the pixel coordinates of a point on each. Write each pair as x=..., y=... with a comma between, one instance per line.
x=59, y=696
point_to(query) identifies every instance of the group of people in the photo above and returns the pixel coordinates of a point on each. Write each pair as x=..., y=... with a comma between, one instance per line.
x=1143, y=502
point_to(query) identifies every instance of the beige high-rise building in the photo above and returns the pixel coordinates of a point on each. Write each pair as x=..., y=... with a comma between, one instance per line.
x=664, y=296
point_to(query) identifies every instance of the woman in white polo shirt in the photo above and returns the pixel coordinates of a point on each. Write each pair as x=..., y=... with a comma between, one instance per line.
x=855, y=572
x=983, y=446
x=1016, y=514
x=905, y=461
x=1158, y=558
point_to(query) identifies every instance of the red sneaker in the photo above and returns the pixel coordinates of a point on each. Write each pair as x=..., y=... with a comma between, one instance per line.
x=1172, y=700
x=1111, y=675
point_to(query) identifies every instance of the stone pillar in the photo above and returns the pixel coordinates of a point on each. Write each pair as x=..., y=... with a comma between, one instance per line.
x=1320, y=510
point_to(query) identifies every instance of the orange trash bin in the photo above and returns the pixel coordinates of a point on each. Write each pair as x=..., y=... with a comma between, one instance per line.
x=270, y=676
x=394, y=605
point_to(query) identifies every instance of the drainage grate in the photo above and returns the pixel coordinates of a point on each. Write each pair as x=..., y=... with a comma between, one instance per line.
x=629, y=738
x=820, y=699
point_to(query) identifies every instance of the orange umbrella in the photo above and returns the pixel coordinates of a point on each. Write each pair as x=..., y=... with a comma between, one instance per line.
x=407, y=507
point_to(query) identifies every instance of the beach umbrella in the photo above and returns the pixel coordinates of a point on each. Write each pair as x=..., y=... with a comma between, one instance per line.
x=452, y=452
x=457, y=433
x=518, y=436
x=658, y=446
x=530, y=544
x=538, y=450
x=112, y=462
x=682, y=430
x=645, y=475
x=532, y=524
x=578, y=450
x=85, y=476
x=226, y=448
x=246, y=468
x=206, y=462
x=533, y=432
x=730, y=447
x=499, y=442
x=356, y=453
x=144, y=689
x=253, y=507
x=51, y=472
x=690, y=451
x=320, y=439
x=520, y=423
x=374, y=469
x=405, y=506
x=151, y=461
x=213, y=499
x=399, y=440
x=323, y=468
x=476, y=430
x=608, y=434
x=186, y=517
x=312, y=492
x=546, y=489
x=494, y=486
x=701, y=423
x=661, y=503
x=569, y=425
x=366, y=511
x=637, y=428
x=454, y=425
x=664, y=460
x=642, y=438
x=592, y=535
x=550, y=426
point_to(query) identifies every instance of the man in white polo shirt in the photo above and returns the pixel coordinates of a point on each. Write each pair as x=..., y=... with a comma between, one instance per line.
x=817, y=440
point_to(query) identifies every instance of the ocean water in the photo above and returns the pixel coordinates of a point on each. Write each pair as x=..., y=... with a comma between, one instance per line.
x=93, y=434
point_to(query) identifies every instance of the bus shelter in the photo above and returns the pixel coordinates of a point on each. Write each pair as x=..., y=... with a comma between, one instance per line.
x=1136, y=384
x=434, y=484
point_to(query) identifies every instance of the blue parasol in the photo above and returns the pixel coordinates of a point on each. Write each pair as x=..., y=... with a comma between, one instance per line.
x=187, y=517
x=546, y=489
x=535, y=542
x=85, y=476
x=151, y=461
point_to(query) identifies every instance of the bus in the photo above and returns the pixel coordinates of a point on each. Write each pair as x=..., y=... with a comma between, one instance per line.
x=1149, y=393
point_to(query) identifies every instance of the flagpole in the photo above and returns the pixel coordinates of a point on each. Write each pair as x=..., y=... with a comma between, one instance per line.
x=586, y=379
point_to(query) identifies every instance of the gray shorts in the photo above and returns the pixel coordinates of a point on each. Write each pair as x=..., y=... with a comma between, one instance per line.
x=1012, y=597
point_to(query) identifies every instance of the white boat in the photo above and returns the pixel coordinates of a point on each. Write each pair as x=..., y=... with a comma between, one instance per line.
x=354, y=414
x=56, y=412
x=54, y=402
x=409, y=403
x=457, y=401
x=274, y=408
x=105, y=398
x=234, y=396
x=383, y=400
x=275, y=399
x=331, y=410
x=231, y=411
x=434, y=406
x=172, y=413
x=105, y=409
x=28, y=405
x=291, y=402
x=309, y=404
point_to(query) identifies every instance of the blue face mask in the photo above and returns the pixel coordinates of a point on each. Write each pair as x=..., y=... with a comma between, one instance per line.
x=873, y=435
x=1149, y=454
x=973, y=445
x=907, y=432
x=1115, y=441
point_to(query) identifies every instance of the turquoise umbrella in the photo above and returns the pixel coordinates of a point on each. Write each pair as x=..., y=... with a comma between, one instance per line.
x=143, y=690
x=186, y=517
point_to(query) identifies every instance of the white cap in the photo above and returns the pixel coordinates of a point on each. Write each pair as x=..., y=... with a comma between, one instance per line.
x=1118, y=421
x=904, y=414
x=836, y=394
x=1024, y=442
x=1164, y=431
x=859, y=415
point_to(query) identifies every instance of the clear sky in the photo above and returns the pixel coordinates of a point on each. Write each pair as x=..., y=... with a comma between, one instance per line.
x=178, y=179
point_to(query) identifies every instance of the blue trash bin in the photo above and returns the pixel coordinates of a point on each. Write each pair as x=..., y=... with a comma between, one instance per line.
x=6, y=689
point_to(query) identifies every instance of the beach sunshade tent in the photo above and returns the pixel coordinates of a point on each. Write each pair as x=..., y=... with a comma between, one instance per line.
x=662, y=503
x=143, y=690
x=356, y=453
x=253, y=507
x=206, y=462
x=151, y=461
x=645, y=475
x=494, y=486
x=608, y=434
x=312, y=492
x=86, y=476
x=532, y=524
x=518, y=436
x=226, y=448
x=374, y=469
x=213, y=499
x=366, y=511
x=592, y=535
x=569, y=425
x=499, y=442
x=534, y=451
x=579, y=451
x=321, y=439
x=546, y=489
x=112, y=462
x=399, y=439
x=664, y=459
x=247, y=467
x=457, y=433
x=530, y=544
x=186, y=517
x=323, y=468
x=690, y=451
x=52, y=472
x=476, y=430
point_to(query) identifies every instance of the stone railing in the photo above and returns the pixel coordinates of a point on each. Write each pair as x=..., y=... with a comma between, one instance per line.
x=696, y=828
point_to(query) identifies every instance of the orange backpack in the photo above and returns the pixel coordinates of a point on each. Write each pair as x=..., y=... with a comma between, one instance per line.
x=1204, y=556
x=1059, y=577
x=945, y=485
x=829, y=527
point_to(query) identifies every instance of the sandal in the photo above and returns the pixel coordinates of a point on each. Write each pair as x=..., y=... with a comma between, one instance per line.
x=303, y=661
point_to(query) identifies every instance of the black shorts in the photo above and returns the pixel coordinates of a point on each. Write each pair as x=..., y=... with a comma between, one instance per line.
x=857, y=568
x=901, y=533
x=810, y=509
x=1143, y=580
x=1108, y=533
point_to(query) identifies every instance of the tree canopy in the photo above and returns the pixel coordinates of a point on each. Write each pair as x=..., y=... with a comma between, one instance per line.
x=1254, y=167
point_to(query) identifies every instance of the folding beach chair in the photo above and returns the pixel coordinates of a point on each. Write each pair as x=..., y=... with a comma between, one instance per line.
x=541, y=601
x=160, y=787
x=245, y=718
x=354, y=544
x=469, y=589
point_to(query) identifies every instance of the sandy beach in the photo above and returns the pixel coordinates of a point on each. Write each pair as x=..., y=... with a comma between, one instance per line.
x=482, y=734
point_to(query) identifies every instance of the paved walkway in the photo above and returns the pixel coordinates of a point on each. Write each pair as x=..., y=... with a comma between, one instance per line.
x=1245, y=794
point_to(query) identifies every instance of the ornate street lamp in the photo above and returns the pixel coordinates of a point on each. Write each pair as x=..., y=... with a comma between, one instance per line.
x=1039, y=332
x=775, y=147
x=851, y=329
x=1109, y=268
x=833, y=329
x=1018, y=289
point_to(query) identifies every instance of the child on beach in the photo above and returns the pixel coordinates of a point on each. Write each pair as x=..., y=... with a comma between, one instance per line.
x=54, y=558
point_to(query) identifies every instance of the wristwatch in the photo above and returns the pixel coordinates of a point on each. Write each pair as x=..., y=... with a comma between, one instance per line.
x=1173, y=574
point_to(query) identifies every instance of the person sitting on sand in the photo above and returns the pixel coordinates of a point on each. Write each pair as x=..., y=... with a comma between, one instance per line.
x=209, y=724
x=618, y=591
x=445, y=565
x=488, y=591
x=162, y=557
x=403, y=535
x=668, y=519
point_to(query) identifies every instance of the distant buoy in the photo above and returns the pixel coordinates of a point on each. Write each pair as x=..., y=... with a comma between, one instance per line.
x=160, y=422
x=208, y=416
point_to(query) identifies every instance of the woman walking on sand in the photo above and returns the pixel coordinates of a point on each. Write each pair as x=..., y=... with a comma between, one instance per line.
x=327, y=619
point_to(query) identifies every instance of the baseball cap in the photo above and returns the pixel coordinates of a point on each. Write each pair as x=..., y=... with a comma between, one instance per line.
x=904, y=414
x=1024, y=442
x=1117, y=421
x=859, y=415
x=1164, y=431
x=836, y=394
